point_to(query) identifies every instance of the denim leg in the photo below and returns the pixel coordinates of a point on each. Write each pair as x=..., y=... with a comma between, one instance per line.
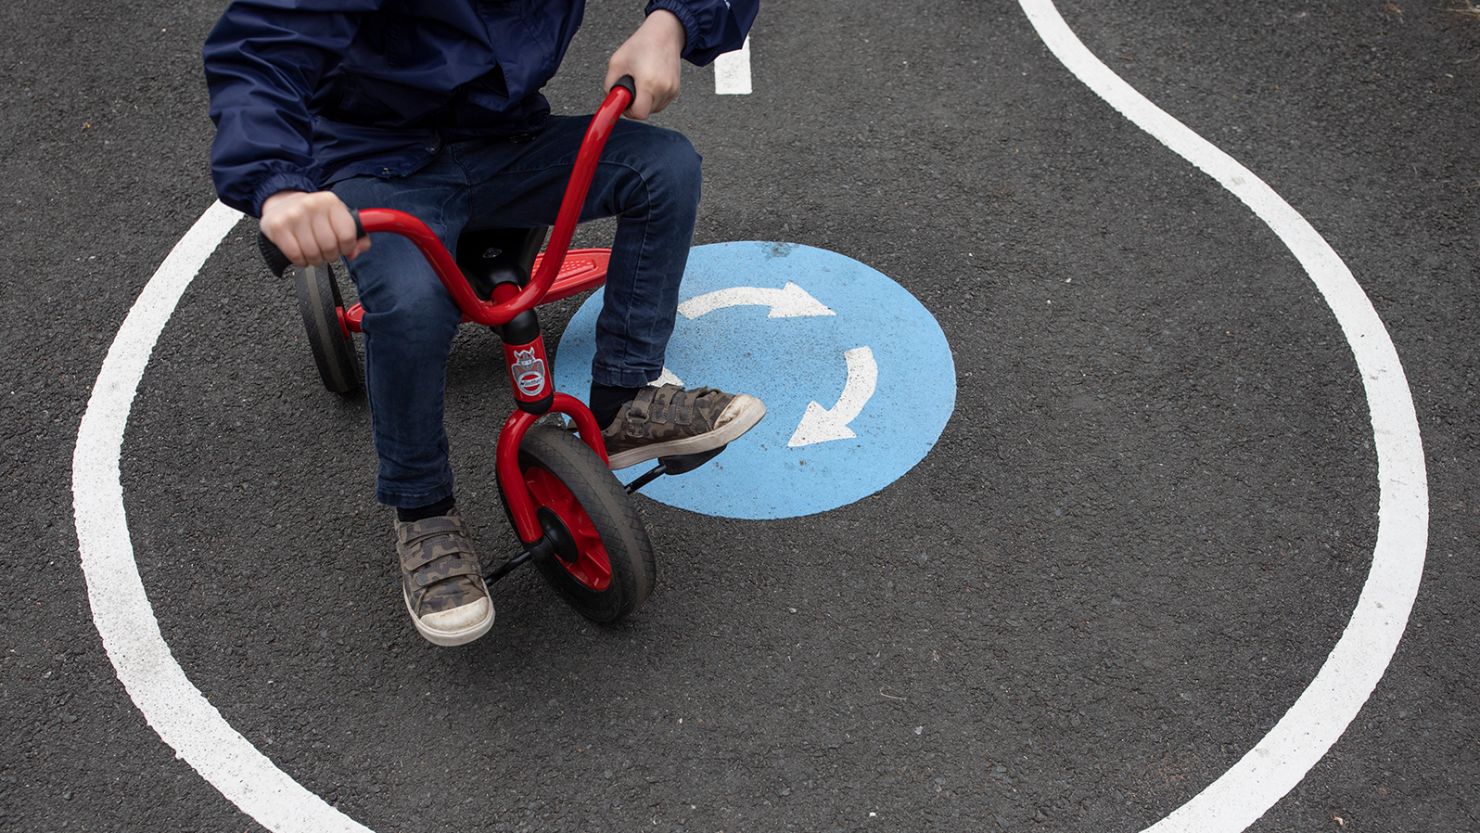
x=652, y=184
x=649, y=177
x=409, y=324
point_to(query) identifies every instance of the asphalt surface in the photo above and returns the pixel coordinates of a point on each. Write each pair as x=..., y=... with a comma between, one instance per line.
x=1138, y=538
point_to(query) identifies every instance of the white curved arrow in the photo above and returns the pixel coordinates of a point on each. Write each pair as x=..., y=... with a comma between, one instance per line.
x=791, y=301
x=819, y=424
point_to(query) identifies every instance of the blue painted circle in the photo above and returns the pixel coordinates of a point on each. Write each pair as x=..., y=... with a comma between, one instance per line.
x=790, y=362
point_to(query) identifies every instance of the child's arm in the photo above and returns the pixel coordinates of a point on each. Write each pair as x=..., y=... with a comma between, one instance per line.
x=263, y=61
x=696, y=30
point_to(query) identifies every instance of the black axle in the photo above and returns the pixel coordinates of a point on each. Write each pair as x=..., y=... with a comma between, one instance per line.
x=646, y=478
x=538, y=549
x=556, y=541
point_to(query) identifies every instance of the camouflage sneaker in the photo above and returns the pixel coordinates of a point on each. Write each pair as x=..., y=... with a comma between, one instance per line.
x=669, y=420
x=442, y=581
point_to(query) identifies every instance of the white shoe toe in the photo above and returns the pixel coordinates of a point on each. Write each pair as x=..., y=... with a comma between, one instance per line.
x=459, y=618
x=457, y=626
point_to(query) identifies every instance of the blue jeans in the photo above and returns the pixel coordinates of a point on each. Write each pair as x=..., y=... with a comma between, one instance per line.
x=648, y=178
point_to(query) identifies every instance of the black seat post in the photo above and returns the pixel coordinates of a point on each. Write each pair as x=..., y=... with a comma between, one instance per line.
x=489, y=257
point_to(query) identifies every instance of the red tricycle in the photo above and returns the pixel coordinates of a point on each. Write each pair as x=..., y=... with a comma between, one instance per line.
x=575, y=520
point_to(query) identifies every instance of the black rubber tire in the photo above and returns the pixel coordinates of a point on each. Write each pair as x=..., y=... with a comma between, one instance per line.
x=333, y=351
x=611, y=511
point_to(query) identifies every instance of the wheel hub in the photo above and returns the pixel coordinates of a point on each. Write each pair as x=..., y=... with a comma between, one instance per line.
x=562, y=543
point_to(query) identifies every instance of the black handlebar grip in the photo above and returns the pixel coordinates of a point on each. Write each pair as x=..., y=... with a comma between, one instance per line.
x=278, y=263
x=626, y=83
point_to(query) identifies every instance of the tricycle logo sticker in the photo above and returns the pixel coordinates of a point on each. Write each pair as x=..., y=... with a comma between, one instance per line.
x=857, y=377
x=529, y=372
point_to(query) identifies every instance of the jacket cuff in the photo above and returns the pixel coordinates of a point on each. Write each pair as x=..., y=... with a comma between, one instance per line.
x=281, y=181
x=685, y=16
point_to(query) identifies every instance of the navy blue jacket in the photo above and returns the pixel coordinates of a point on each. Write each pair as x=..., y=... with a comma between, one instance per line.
x=305, y=93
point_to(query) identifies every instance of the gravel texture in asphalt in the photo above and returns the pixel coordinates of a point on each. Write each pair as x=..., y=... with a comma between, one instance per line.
x=1140, y=534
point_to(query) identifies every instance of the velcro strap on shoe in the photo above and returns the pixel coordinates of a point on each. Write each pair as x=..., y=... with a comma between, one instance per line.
x=668, y=406
x=424, y=551
x=640, y=409
x=445, y=568
x=655, y=409
x=683, y=409
x=411, y=533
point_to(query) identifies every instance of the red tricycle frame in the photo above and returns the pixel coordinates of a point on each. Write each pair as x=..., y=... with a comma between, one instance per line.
x=554, y=277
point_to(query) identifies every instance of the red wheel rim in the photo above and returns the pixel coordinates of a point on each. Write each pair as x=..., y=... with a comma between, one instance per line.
x=591, y=567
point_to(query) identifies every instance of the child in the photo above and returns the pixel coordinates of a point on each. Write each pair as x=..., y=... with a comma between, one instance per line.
x=433, y=108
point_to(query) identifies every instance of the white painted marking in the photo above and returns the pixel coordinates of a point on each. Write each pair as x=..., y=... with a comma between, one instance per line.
x=667, y=377
x=790, y=301
x=1327, y=706
x=174, y=707
x=821, y=425
x=183, y=718
x=732, y=71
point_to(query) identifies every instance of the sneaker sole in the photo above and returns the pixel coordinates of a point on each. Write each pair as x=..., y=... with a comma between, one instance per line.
x=450, y=639
x=749, y=411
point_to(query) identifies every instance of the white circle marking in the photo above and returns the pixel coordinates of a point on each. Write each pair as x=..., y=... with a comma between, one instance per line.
x=1328, y=705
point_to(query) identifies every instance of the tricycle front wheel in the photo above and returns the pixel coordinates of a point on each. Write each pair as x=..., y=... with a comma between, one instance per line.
x=603, y=562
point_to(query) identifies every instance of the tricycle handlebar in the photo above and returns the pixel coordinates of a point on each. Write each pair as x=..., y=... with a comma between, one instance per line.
x=496, y=312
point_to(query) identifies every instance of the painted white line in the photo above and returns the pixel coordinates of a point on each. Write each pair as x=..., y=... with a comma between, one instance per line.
x=174, y=707
x=732, y=71
x=791, y=301
x=183, y=718
x=821, y=425
x=1327, y=706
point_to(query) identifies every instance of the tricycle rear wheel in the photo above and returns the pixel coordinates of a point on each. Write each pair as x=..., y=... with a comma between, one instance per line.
x=334, y=353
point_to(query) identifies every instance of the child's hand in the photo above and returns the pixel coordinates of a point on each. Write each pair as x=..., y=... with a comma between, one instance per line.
x=311, y=229
x=651, y=56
